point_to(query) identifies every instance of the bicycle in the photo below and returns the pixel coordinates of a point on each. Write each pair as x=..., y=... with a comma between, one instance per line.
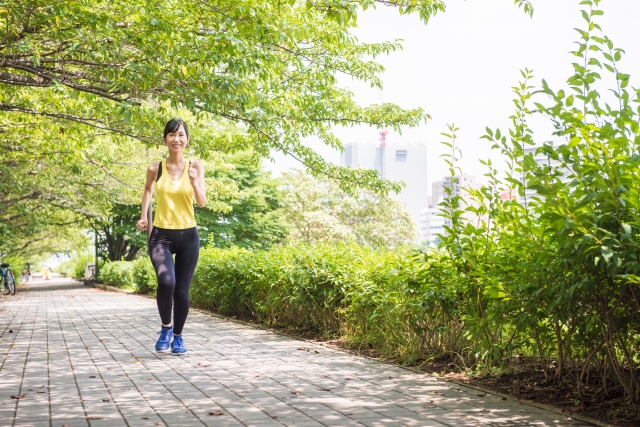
x=7, y=278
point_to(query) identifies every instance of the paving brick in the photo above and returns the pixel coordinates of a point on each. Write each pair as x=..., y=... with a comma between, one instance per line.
x=92, y=353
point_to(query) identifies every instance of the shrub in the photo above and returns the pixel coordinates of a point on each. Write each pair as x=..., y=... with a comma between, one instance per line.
x=144, y=276
x=75, y=266
x=118, y=274
x=401, y=302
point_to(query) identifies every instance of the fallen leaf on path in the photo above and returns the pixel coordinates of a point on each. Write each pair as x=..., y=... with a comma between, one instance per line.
x=428, y=406
x=295, y=392
x=65, y=425
x=481, y=395
x=19, y=397
x=94, y=418
x=10, y=331
x=245, y=391
x=216, y=413
x=504, y=398
x=92, y=376
x=106, y=400
x=324, y=389
x=349, y=379
x=316, y=351
x=324, y=376
x=149, y=379
x=257, y=376
x=302, y=348
x=145, y=418
x=40, y=391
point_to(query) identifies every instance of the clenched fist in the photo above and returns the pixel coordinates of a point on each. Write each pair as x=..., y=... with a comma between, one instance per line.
x=193, y=173
x=142, y=224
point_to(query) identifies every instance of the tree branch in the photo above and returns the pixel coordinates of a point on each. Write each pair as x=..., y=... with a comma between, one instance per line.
x=98, y=124
x=15, y=79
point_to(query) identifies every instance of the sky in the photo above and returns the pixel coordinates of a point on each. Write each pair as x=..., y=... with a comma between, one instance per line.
x=460, y=68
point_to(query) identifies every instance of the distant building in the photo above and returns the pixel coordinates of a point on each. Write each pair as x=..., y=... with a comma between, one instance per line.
x=395, y=162
x=541, y=159
x=456, y=183
x=431, y=225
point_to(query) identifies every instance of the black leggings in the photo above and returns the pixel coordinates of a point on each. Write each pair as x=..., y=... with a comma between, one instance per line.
x=174, y=279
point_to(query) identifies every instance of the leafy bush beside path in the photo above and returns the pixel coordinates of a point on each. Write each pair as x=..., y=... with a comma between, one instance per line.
x=402, y=303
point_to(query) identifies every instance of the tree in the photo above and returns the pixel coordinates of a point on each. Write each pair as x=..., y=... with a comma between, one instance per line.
x=82, y=84
x=318, y=210
x=247, y=212
x=269, y=67
x=118, y=237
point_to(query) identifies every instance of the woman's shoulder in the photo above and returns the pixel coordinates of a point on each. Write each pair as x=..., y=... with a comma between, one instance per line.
x=153, y=167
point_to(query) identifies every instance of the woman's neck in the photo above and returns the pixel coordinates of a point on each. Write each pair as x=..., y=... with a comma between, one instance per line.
x=175, y=159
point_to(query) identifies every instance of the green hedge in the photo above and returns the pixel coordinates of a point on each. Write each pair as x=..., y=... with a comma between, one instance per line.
x=144, y=276
x=75, y=267
x=117, y=273
x=393, y=301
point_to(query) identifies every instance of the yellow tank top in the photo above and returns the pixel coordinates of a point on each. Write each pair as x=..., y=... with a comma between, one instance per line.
x=174, y=209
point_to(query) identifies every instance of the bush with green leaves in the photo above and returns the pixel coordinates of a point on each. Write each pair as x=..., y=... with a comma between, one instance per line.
x=554, y=270
x=144, y=276
x=76, y=265
x=117, y=273
x=401, y=302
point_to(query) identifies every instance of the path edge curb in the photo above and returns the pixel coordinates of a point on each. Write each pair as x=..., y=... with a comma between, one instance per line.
x=112, y=289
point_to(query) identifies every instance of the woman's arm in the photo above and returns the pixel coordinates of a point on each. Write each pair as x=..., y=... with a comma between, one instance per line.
x=147, y=192
x=196, y=177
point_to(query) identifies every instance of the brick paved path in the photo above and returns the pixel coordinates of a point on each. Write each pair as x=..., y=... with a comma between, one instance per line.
x=86, y=357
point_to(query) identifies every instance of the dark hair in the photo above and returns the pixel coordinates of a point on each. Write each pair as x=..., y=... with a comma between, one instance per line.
x=173, y=125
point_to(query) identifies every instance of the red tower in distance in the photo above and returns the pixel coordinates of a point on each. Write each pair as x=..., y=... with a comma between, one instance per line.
x=383, y=145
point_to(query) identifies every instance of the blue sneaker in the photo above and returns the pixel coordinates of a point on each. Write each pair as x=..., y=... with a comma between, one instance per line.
x=177, y=346
x=165, y=339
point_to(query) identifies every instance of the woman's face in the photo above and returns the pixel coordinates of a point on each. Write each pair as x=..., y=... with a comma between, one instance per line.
x=177, y=141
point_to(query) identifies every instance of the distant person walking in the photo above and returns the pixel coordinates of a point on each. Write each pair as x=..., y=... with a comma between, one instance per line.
x=178, y=182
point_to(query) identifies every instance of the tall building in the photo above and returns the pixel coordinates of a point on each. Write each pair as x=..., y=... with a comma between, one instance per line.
x=395, y=162
x=456, y=184
x=541, y=159
x=431, y=223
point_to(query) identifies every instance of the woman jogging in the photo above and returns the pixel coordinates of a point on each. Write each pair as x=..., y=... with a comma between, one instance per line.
x=178, y=181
